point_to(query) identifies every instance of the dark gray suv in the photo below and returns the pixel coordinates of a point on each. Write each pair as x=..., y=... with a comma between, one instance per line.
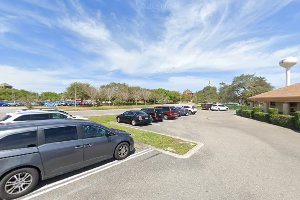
x=38, y=150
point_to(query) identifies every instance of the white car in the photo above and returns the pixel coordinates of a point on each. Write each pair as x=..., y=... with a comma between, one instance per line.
x=219, y=107
x=191, y=108
x=29, y=115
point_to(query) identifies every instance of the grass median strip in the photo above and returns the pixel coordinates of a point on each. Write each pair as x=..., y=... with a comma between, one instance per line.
x=156, y=140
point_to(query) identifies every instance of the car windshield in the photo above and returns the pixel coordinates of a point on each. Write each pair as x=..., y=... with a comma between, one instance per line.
x=215, y=105
x=173, y=109
x=139, y=113
x=5, y=117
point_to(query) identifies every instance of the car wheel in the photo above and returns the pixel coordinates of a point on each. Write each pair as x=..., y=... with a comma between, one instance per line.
x=133, y=122
x=118, y=119
x=122, y=151
x=18, y=183
x=165, y=117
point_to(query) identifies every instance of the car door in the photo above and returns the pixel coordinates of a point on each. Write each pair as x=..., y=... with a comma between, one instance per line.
x=61, y=150
x=128, y=116
x=96, y=142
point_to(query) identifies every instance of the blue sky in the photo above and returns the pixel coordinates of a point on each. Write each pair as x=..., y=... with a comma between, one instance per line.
x=177, y=45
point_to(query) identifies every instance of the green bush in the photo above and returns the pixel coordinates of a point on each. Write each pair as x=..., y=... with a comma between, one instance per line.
x=246, y=113
x=244, y=107
x=238, y=112
x=297, y=120
x=273, y=111
x=256, y=109
x=261, y=116
x=282, y=120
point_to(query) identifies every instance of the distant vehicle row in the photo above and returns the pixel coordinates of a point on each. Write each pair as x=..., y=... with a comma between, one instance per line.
x=215, y=107
x=158, y=114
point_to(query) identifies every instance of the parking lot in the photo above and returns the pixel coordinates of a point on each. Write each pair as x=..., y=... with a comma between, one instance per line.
x=241, y=159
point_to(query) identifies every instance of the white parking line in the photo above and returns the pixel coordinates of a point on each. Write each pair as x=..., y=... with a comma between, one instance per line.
x=77, y=177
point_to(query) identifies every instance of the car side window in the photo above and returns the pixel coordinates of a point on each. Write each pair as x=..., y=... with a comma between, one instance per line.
x=19, y=140
x=39, y=117
x=23, y=118
x=58, y=116
x=60, y=134
x=92, y=131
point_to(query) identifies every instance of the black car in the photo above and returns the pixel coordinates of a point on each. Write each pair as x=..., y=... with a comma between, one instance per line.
x=155, y=113
x=134, y=117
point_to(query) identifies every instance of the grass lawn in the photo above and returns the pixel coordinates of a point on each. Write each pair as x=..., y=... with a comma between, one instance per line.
x=159, y=141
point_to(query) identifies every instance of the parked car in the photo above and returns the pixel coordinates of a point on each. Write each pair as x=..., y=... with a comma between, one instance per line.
x=191, y=108
x=207, y=106
x=134, y=117
x=169, y=112
x=3, y=104
x=219, y=107
x=155, y=113
x=33, y=151
x=182, y=111
x=29, y=115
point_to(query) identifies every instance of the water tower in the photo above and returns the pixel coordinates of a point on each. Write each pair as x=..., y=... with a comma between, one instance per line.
x=288, y=63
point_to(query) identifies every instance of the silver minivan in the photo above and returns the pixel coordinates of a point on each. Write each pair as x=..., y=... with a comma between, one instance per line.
x=38, y=150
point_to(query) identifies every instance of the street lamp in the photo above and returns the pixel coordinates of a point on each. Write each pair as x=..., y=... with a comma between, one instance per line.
x=75, y=96
x=288, y=63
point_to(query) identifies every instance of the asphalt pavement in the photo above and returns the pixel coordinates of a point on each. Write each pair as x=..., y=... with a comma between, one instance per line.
x=241, y=159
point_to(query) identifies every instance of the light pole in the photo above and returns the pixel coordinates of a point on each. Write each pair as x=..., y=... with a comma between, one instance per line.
x=288, y=63
x=75, y=96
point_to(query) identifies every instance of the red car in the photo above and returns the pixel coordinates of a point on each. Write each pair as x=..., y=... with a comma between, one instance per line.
x=207, y=106
x=169, y=112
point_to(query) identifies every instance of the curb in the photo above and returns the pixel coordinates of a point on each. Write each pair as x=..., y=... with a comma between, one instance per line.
x=187, y=155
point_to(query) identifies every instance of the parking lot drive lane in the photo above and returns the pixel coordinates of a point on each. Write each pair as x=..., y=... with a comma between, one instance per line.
x=241, y=159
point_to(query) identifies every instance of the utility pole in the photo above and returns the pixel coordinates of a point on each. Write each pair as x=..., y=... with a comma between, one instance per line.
x=75, y=95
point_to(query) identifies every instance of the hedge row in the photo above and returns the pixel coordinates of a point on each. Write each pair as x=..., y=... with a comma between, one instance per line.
x=272, y=117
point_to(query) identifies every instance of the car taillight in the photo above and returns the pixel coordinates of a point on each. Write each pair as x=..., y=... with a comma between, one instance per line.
x=140, y=118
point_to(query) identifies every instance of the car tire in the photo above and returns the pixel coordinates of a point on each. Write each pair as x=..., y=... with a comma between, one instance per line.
x=27, y=176
x=122, y=151
x=118, y=120
x=166, y=117
x=133, y=122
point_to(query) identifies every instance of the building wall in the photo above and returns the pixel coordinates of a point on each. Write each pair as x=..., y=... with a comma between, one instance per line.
x=298, y=106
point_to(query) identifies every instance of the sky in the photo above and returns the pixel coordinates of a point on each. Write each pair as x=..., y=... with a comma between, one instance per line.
x=171, y=44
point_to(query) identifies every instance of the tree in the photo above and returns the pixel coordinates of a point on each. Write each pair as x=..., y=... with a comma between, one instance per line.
x=226, y=93
x=136, y=94
x=81, y=90
x=145, y=94
x=245, y=86
x=109, y=93
x=92, y=92
x=52, y=96
x=208, y=94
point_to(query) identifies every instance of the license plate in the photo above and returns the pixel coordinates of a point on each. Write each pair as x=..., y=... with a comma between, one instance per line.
x=146, y=117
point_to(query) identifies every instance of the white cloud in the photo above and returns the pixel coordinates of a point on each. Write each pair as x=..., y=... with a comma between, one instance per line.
x=218, y=35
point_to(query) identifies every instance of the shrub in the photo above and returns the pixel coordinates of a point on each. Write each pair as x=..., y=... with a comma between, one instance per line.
x=238, y=112
x=273, y=111
x=282, y=120
x=297, y=120
x=261, y=116
x=244, y=107
x=246, y=113
x=256, y=109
